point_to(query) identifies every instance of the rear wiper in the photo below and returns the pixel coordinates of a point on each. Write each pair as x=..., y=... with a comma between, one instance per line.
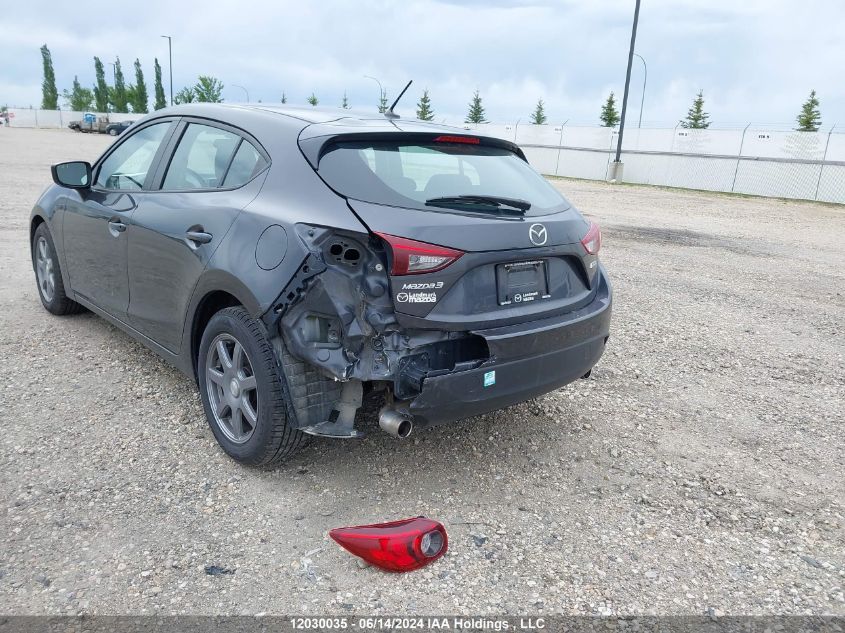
x=511, y=206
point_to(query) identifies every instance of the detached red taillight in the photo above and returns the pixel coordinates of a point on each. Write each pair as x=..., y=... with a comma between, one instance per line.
x=412, y=258
x=395, y=546
x=592, y=240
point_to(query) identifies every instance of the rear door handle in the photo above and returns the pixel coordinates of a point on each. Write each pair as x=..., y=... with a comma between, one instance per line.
x=199, y=237
x=116, y=226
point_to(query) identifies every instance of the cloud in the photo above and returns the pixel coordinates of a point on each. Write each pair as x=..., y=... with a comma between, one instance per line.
x=754, y=60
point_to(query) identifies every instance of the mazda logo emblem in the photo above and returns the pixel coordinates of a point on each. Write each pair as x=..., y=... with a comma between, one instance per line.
x=538, y=234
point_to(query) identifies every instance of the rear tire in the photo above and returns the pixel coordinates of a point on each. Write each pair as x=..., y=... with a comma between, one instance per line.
x=48, y=274
x=112, y=132
x=241, y=390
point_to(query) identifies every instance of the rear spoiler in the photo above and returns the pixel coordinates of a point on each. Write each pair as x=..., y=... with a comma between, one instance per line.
x=314, y=148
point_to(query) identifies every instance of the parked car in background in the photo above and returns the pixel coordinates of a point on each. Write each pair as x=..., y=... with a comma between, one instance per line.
x=294, y=260
x=90, y=122
x=116, y=129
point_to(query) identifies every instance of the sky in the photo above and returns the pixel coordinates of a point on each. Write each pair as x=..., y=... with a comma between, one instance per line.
x=755, y=60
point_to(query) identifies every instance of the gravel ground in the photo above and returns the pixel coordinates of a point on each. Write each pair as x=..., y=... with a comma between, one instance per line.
x=699, y=470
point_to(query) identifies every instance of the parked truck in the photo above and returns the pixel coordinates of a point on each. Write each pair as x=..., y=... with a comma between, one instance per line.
x=90, y=123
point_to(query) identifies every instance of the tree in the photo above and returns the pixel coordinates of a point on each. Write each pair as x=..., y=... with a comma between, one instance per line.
x=424, y=111
x=119, y=95
x=609, y=116
x=284, y=97
x=79, y=99
x=49, y=93
x=138, y=96
x=160, y=101
x=476, y=110
x=538, y=117
x=208, y=89
x=697, y=118
x=185, y=95
x=313, y=100
x=101, y=88
x=810, y=118
x=382, y=102
x=345, y=102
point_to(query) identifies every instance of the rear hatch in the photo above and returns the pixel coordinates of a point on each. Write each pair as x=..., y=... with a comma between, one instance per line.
x=473, y=236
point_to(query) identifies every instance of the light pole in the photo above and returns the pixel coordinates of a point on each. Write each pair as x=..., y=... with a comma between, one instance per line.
x=645, y=79
x=244, y=89
x=380, y=89
x=170, y=62
x=616, y=169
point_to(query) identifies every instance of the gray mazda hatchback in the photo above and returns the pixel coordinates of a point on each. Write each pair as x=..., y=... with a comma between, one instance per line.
x=295, y=260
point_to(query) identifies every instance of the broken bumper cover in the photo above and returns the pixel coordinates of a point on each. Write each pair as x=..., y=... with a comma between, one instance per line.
x=527, y=360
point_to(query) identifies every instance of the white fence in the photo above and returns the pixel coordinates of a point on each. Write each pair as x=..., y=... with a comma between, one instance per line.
x=788, y=164
x=27, y=117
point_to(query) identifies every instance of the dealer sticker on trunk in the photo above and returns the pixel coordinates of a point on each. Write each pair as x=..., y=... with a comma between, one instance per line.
x=490, y=378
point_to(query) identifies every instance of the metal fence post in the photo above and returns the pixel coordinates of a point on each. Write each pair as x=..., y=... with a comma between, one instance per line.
x=824, y=158
x=739, y=155
x=560, y=146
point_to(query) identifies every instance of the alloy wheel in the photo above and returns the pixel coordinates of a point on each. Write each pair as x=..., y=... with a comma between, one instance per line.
x=232, y=388
x=44, y=271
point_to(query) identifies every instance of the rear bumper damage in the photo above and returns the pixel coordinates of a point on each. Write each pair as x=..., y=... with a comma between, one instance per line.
x=336, y=335
x=526, y=362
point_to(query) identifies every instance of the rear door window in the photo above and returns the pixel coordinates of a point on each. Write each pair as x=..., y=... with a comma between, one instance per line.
x=201, y=158
x=407, y=174
x=246, y=164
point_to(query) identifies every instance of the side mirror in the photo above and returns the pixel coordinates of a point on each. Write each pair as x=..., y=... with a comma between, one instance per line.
x=75, y=174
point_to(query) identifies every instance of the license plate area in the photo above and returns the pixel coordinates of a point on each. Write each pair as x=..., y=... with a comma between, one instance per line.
x=522, y=282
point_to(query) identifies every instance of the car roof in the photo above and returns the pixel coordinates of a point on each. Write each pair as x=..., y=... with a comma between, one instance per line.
x=323, y=120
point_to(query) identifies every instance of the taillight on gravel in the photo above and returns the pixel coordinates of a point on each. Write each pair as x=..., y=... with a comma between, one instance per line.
x=412, y=258
x=592, y=240
x=395, y=546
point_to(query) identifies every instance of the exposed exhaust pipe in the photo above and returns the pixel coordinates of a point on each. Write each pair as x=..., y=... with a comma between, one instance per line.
x=395, y=423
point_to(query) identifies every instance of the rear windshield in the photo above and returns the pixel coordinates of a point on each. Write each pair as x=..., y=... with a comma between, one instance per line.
x=409, y=174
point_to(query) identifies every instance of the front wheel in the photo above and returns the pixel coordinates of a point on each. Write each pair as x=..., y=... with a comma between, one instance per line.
x=112, y=132
x=48, y=274
x=241, y=390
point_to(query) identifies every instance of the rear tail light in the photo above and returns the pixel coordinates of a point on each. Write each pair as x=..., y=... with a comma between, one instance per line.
x=395, y=546
x=412, y=258
x=592, y=240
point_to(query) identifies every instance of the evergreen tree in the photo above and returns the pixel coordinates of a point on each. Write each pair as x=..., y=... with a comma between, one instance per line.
x=313, y=100
x=697, y=118
x=49, y=93
x=284, y=97
x=345, y=103
x=138, y=96
x=424, y=111
x=476, y=110
x=119, y=95
x=382, y=102
x=79, y=99
x=810, y=118
x=160, y=100
x=185, y=95
x=208, y=89
x=609, y=116
x=538, y=117
x=101, y=88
